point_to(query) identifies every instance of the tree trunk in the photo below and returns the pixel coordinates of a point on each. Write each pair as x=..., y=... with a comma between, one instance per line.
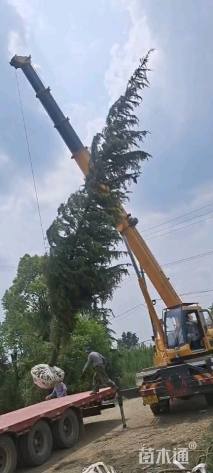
x=55, y=338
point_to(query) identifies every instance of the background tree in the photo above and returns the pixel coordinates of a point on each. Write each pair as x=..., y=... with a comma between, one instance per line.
x=128, y=340
x=28, y=295
x=28, y=347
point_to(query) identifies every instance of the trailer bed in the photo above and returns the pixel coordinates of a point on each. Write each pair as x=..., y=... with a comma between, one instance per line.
x=22, y=419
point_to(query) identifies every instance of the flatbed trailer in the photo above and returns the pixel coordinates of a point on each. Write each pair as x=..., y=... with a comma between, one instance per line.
x=28, y=435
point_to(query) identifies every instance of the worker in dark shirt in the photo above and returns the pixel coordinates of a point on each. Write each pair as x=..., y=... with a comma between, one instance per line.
x=98, y=363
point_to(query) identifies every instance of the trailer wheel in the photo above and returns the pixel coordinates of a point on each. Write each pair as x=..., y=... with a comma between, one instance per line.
x=66, y=430
x=162, y=407
x=8, y=455
x=36, y=446
x=209, y=399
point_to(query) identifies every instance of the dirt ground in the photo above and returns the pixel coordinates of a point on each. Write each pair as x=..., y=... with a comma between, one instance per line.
x=105, y=440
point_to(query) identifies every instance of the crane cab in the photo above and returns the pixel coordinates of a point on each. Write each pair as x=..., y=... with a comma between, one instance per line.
x=188, y=330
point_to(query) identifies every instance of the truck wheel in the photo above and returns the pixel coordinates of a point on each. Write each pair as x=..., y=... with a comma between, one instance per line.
x=66, y=430
x=209, y=399
x=8, y=455
x=36, y=446
x=162, y=407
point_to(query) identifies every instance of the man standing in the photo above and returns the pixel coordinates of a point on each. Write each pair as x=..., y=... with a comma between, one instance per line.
x=193, y=333
x=98, y=363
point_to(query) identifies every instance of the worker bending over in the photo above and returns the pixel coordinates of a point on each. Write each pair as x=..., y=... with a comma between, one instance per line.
x=60, y=390
x=98, y=363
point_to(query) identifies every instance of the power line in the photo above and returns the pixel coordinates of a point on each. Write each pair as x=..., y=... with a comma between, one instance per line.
x=195, y=217
x=129, y=310
x=189, y=258
x=170, y=263
x=190, y=293
x=177, y=229
x=30, y=161
x=177, y=217
x=7, y=268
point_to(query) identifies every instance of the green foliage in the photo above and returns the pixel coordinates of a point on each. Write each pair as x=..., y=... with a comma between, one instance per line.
x=115, y=152
x=27, y=314
x=24, y=331
x=80, y=271
x=128, y=340
x=26, y=302
x=133, y=361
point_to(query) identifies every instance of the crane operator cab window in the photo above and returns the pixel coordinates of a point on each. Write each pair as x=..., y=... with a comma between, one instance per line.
x=174, y=328
x=183, y=327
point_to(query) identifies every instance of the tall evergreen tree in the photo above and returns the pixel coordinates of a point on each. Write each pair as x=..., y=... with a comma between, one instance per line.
x=116, y=153
x=82, y=269
x=82, y=273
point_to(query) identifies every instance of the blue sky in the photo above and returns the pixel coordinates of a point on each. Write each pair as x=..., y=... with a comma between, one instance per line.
x=86, y=51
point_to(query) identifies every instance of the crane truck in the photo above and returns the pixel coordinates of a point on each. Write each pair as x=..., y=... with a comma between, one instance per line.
x=183, y=365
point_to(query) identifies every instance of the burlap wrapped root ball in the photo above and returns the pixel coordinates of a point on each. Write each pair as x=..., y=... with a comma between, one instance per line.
x=46, y=377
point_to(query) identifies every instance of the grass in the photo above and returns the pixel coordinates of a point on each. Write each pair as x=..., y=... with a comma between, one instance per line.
x=133, y=361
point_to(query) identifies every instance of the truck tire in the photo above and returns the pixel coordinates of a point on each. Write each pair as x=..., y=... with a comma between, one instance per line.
x=8, y=455
x=36, y=446
x=162, y=407
x=209, y=399
x=66, y=430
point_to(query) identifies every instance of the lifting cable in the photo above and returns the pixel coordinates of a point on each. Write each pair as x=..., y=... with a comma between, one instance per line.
x=30, y=161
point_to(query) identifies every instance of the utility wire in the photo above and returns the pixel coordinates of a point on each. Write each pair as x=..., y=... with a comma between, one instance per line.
x=7, y=268
x=153, y=236
x=195, y=217
x=185, y=260
x=190, y=293
x=30, y=161
x=170, y=263
x=189, y=258
x=153, y=227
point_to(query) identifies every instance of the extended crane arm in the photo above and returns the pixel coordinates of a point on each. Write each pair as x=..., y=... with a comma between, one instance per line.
x=136, y=243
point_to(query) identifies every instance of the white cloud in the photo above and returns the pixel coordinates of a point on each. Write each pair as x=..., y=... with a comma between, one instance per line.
x=15, y=43
x=57, y=185
x=4, y=159
x=85, y=120
x=29, y=13
x=93, y=126
x=24, y=8
x=125, y=57
x=20, y=231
